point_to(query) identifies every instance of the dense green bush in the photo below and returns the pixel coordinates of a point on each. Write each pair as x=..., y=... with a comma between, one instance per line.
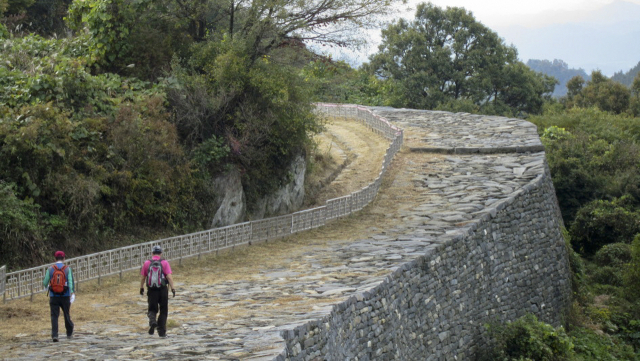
x=592, y=155
x=260, y=108
x=607, y=275
x=632, y=274
x=528, y=339
x=614, y=254
x=21, y=233
x=604, y=222
x=100, y=175
x=131, y=38
x=55, y=71
x=590, y=346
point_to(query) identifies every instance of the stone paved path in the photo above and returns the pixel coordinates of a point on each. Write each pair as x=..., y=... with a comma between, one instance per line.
x=426, y=200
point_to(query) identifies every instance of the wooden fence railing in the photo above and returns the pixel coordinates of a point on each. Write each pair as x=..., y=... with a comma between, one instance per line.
x=28, y=282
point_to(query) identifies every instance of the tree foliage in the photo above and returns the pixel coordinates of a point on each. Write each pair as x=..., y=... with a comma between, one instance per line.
x=158, y=30
x=632, y=276
x=446, y=55
x=592, y=155
x=528, y=339
x=602, y=222
x=628, y=77
x=120, y=126
x=601, y=92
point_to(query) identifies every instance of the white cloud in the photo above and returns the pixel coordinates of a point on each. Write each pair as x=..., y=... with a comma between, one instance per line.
x=511, y=12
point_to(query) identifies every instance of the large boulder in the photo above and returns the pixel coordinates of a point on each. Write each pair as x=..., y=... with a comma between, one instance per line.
x=231, y=205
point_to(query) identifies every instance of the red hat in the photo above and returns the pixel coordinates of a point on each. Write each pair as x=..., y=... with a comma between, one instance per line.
x=59, y=254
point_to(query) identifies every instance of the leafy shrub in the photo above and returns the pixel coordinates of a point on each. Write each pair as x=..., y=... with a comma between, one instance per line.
x=102, y=174
x=4, y=33
x=258, y=107
x=632, y=273
x=210, y=153
x=528, y=339
x=592, y=155
x=108, y=22
x=614, y=254
x=607, y=275
x=628, y=326
x=591, y=346
x=577, y=267
x=604, y=222
x=21, y=236
x=54, y=71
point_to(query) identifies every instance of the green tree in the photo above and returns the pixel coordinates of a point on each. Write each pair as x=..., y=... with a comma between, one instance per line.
x=337, y=82
x=574, y=86
x=634, y=103
x=604, y=222
x=127, y=34
x=602, y=92
x=446, y=55
x=521, y=90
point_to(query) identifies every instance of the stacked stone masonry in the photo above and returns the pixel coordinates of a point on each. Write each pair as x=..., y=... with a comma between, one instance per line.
x=503, y=261
x=479, y=242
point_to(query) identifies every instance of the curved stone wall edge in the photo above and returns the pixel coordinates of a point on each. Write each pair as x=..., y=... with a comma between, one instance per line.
x=509, y=262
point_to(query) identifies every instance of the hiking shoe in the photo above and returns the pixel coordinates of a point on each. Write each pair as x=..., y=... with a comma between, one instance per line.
x=163, y=335
x=152, y=328
x=55, y=339
x=70, y=336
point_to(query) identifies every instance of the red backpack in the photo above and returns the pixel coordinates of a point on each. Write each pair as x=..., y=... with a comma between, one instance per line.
x=58, y=281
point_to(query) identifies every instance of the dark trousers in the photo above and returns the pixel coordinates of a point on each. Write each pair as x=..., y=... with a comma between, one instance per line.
x=158, y=297
x=56, y=303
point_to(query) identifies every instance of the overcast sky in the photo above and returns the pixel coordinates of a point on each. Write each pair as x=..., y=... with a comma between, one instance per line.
x=601, y=41
x=509, y=12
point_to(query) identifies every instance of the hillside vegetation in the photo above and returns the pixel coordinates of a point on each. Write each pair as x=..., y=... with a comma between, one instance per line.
x=113, y=133
x=115, y=115
x=591, y=139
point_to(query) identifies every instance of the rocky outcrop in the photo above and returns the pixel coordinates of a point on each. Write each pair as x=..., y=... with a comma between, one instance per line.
x=287, y=199
x=232, y=207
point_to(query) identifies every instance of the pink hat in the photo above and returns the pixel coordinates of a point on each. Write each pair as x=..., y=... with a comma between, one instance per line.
x=59, y=254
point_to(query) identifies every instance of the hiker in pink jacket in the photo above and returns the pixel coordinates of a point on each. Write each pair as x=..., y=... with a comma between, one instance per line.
x=156, y=273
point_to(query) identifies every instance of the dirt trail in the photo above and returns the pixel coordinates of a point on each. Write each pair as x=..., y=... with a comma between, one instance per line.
x=347, y=149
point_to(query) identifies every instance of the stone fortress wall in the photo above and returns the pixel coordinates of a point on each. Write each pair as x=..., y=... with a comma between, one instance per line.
x=491, y=264
x=473, y=236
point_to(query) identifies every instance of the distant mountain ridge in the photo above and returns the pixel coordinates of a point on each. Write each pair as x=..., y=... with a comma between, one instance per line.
x=603, y=39
x=627, y=78
x=559, y=70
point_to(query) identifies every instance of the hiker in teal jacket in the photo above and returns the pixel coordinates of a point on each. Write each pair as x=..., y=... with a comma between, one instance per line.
x=62, y=299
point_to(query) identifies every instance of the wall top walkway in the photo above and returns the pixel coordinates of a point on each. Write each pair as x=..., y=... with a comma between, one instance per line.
x=445, y=132
x=448, y=194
